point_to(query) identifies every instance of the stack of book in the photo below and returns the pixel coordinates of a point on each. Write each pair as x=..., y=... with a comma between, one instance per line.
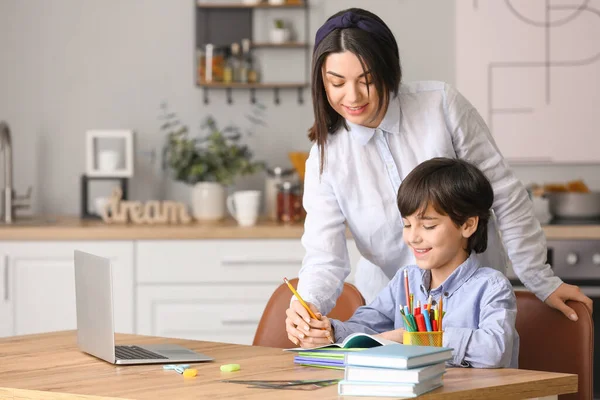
x=395, y=370
x=333, y=355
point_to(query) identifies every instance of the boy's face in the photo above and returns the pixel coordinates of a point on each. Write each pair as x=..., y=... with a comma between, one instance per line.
x=436, y=242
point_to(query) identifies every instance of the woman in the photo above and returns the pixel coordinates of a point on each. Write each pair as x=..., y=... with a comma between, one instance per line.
x=370, y=131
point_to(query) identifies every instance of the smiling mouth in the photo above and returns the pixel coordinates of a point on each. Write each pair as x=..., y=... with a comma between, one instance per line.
x=421, y=251
x=357, y=108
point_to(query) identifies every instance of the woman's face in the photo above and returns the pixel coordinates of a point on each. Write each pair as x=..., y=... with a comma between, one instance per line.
x=346, y=87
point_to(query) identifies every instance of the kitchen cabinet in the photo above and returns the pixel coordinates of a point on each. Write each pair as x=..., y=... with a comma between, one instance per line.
x=37, y=287
x=212, y=289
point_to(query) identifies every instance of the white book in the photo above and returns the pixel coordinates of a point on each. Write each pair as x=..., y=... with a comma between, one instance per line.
x=372, y=374
x=356, y=340
x=383, y=389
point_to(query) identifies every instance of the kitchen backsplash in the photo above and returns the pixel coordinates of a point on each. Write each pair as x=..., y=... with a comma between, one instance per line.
x=117, y=78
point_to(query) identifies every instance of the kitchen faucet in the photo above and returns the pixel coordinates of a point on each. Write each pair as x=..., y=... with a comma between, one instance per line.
x=10, y=201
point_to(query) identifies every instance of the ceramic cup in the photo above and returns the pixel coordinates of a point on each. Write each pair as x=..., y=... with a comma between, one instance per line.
x=244, y=206
x=108, y=160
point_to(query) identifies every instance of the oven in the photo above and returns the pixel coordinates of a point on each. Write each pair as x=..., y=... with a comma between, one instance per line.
x=577, y=262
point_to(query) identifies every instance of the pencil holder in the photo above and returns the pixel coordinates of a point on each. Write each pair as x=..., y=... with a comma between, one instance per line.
x=423, y=338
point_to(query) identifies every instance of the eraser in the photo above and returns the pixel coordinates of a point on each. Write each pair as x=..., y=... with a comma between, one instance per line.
x=230, y=367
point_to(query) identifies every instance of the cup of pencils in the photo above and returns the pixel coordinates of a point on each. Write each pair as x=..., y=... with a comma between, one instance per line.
x=423, y=326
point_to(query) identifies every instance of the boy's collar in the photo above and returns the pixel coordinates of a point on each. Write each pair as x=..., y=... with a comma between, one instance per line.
x=456, y=279
x=390, y=123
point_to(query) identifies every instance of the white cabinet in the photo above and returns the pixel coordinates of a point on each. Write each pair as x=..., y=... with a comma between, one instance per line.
x=37, y=288
x=211, y=289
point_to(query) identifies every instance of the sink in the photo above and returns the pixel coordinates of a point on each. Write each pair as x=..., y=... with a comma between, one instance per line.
x=31, y=221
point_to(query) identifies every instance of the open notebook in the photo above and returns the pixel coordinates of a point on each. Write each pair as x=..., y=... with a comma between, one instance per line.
x=354, y=341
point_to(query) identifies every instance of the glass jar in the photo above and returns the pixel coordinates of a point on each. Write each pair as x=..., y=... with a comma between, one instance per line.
x=289, y=203
x=275, y=177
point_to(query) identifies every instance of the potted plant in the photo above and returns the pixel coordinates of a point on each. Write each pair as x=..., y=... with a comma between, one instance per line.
x=279, y=33
x=208, y=163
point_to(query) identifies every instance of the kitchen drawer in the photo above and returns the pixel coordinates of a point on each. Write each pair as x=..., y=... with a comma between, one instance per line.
x=225, y=313
x=205, y=261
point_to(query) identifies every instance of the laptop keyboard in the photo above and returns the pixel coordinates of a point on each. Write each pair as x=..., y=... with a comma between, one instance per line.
x=135, y=353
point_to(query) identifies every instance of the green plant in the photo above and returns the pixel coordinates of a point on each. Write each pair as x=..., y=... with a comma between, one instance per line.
x=218, y=156
x=279, y=24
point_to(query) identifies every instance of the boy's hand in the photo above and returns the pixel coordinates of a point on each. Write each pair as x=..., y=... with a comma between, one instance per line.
x=305, y=331
x=396, y=335
x=320, y=333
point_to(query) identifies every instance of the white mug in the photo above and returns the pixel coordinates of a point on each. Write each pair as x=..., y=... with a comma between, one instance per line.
x=108, y=160
x=244, y=206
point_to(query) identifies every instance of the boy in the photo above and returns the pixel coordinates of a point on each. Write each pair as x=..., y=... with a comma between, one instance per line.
x=445, y=204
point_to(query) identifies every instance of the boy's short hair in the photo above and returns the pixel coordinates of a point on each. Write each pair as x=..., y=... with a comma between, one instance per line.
x=453, y=187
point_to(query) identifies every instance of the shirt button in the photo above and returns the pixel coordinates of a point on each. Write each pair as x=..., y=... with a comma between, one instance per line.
x=446, y=294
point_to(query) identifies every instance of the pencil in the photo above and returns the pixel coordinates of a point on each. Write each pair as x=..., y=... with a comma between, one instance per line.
x=440, y=311
x=406, y=288
x=301, y=300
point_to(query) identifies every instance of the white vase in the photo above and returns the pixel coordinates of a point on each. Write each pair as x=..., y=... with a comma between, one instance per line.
x=279, y=35
x=208, y=201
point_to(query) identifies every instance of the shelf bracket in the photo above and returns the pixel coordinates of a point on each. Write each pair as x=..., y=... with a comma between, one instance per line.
x=205, y=92
x=277, y=100
x=229, y=97
x=300, y=95
x=253, y=96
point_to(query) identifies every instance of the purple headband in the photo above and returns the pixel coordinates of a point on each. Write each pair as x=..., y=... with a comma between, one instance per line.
x=352, y=20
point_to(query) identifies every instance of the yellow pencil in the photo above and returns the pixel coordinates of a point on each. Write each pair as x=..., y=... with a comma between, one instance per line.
x=301, y=300
x=440, y=311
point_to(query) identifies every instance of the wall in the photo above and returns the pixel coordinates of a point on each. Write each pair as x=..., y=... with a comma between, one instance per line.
x=67, y=66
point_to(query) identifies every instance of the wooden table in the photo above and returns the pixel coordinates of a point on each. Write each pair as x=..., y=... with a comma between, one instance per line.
x=49, y=366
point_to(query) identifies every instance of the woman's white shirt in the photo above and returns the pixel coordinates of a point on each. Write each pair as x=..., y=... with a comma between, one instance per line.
x=363, y=170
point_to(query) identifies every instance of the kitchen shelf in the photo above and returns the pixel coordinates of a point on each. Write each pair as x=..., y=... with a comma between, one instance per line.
x=201, y=4
x=221, y=24
x=253, y=87
x=287, y=45
x=235, y=85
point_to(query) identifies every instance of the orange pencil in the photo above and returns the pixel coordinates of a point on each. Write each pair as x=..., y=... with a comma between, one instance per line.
x=301, y=300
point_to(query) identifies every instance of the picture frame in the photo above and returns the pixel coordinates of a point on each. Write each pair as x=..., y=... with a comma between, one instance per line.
x=109, y=163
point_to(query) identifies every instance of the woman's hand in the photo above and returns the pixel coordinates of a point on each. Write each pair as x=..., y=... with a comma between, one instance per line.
x=305, y=331
x=566, y=292
x=396, y=335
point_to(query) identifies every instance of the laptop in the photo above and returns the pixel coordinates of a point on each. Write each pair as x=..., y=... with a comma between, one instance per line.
x=95, y=324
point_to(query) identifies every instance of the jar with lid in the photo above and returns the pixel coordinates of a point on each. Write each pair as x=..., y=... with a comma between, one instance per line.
x=275, y=177
x=289, y=203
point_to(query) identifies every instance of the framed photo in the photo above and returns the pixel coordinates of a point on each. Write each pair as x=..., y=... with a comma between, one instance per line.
x=109, y=153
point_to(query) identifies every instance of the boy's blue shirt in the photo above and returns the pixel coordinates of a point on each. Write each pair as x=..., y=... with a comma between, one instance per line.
x=480, y=307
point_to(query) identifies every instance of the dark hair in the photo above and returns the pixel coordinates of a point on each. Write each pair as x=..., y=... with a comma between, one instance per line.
x=454, y=188
x=379, y=56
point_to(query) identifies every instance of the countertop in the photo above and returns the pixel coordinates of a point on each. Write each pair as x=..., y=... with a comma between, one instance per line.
x=74, y=228
x=50, y=367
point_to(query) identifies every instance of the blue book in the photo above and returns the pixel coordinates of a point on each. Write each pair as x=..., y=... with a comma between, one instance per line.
x=399, y=356
x=390, y=389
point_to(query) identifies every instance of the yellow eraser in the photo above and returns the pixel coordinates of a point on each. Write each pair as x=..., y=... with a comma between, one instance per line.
x=190, y=372
x=230, y=367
